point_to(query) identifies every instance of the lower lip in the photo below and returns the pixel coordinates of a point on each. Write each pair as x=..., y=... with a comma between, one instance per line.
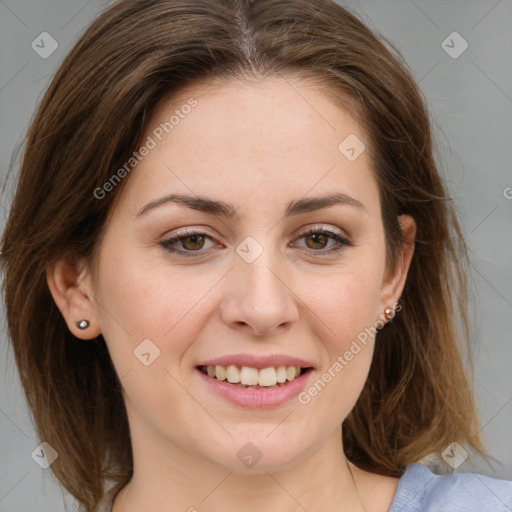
x=257, y=398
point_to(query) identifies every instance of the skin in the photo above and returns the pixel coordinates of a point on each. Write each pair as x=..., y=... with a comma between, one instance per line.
x=257, y=146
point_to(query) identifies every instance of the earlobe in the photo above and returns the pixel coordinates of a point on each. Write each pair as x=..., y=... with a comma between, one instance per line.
x=66, y=281
x=394, y=284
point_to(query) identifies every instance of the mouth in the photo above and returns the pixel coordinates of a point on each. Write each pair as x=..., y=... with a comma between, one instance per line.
x=254, y=378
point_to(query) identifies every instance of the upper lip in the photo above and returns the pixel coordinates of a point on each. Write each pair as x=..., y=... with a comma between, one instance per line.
x=257, y=361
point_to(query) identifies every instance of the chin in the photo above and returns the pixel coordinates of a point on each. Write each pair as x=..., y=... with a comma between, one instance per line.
x=258, y=454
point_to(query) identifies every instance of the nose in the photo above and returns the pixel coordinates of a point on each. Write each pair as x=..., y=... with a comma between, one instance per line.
x=259, y=300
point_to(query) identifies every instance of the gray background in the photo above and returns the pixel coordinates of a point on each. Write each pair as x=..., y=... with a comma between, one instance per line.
x=470, y=98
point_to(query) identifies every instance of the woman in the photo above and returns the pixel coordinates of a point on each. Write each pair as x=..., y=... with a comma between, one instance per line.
x=229, y=272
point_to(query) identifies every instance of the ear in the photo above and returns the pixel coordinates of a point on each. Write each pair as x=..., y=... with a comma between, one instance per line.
x=394, y=281
x=70, y=286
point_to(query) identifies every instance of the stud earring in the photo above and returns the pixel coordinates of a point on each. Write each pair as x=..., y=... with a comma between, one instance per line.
x=83, y=324
x=389, y=313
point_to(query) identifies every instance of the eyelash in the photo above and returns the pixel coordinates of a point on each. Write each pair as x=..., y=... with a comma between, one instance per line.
x=343, y=242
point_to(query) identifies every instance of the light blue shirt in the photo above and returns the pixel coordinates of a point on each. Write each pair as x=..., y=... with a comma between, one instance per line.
x=420, y=490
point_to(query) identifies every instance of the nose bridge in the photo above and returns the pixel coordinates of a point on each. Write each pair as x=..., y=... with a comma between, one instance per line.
x=261, y=297
x=262, y=275
x=261, y=272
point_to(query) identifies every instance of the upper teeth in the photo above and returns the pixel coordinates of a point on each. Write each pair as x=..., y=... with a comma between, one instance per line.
x=252, y=376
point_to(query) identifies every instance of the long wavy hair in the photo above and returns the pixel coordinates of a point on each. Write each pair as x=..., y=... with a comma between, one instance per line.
x=417, y=399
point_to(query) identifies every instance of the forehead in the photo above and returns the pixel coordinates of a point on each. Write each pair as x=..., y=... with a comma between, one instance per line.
x=268, y=111
x=269, y=139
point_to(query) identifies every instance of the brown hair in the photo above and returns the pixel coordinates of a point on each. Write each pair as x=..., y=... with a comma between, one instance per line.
x=417, y=398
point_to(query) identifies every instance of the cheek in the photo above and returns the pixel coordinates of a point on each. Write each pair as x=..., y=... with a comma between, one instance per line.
x=345, y=303
x=345, y=326
x=143, y=299
x=346, y=306
x=150, y=315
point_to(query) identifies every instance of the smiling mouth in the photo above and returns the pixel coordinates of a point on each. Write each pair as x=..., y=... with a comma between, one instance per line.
x=254, y=378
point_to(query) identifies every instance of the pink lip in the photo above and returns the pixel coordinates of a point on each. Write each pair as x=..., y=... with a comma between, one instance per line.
x=257, y=398
x=258, y=361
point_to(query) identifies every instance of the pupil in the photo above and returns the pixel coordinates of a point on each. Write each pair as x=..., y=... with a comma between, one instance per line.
x=318, y=238
x=197, y=241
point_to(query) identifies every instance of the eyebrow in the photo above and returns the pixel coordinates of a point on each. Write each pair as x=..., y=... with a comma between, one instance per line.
x=227, y=210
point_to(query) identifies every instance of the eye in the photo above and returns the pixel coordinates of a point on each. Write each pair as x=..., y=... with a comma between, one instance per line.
x=191, y=241
x=317, y=239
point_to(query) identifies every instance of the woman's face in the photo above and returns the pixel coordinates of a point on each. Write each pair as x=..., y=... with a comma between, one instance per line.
x=252, y=165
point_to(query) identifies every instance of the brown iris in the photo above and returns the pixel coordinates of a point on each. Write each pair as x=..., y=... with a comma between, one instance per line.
x=318, y=238
x=197, y=242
